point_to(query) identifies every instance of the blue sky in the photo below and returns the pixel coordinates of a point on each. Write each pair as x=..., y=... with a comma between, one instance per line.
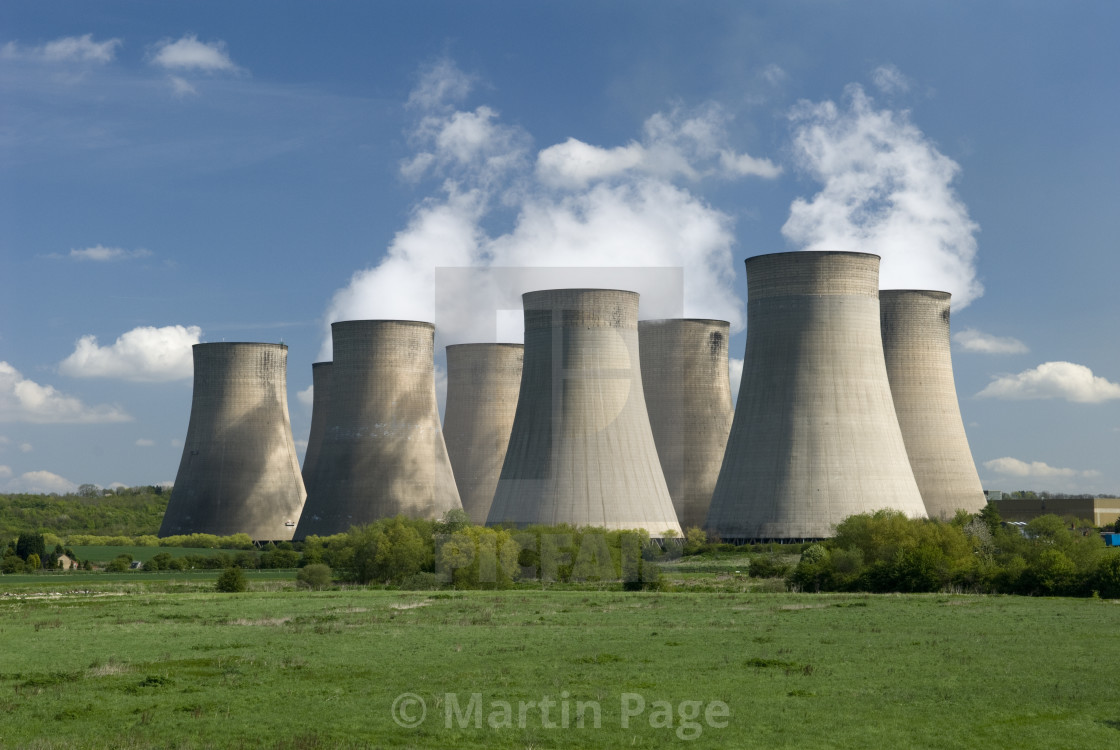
x=172, y=173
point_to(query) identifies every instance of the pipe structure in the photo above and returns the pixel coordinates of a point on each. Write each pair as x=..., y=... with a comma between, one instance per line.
x=321, y=396
x=581, y=450
x=483, y=381
x=239, y=472
x=815, y=437
x=688, y=397
x=382, y=452
x=915, y=328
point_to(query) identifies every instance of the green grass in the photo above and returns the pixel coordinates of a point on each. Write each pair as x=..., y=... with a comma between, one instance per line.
x=130, y=666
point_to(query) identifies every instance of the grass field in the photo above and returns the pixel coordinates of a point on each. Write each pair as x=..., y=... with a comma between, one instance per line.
x=130, y=665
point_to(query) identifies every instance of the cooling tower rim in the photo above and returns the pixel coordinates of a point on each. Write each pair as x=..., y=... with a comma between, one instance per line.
x=716, y=321
x=475, y=344
x=321, y=364
x=418, y=323
x=935, y=293
x=262, y=344
x=817, y=253
x=578, y=289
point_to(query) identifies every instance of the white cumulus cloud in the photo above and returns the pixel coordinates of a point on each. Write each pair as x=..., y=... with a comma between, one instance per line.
x=103, y=254
x=1013, y=467
x=971, y=340
x=5, y=471
x=885, y=189
x=24, y=400
x=145, y=443
x=65, y=49
x=26, y=447
x=1065, y=380
x=41, y=482
x=144, y=354
x=189, y=54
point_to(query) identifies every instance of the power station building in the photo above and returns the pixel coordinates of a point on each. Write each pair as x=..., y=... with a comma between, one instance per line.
x=581, y=449
x=688, y=397
x=815, y=436
x=915, y=328
x=321, y=397
x=382, y=452
x=239, y=472
x=482, y=386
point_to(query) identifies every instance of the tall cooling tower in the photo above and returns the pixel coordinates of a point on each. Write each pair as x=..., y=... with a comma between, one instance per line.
x=915, y=326
x=581, y=450
x=815, y=437
x=382, y=452
x=321, y=396
x=482, y=385
x=688, y=396
x=239, y=472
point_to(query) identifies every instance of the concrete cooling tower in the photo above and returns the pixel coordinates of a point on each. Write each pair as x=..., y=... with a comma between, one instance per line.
x=688, y=396
x=321, y=396
x=815, y=437
x=915, y=326
x=382, y=452
x=482, y=385
x=239, y=472
x=581, y=450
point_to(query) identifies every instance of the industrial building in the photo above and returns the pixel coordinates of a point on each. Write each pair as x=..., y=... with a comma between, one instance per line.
x=382, y=451
x=581, y=449
x=483, y=381
x=815, y=437
x=239, y=472
x=1102, y=511
x=688, y=397
x=915, y=328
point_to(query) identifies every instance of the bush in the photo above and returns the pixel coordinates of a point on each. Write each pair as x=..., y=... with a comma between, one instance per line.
x=315, y=576
x=422, y=581
x=232, y=581
x=767, y=567
x=119, y=564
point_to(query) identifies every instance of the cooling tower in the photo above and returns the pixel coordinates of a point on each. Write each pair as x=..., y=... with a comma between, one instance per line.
x=321, y=396
x=239, y=472
x=382, y=452
x=815, y=437
x=915, y=326
x=482, y=385
x=688, y=396
x=581, y=450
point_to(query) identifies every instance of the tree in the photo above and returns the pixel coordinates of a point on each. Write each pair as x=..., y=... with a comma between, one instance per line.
x=33, y=562
x=31, y=544
x=232, y=581
x=315, y=576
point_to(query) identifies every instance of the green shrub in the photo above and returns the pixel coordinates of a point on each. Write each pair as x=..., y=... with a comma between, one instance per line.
x=232, y=581
x=767, y=566
x=315, y=576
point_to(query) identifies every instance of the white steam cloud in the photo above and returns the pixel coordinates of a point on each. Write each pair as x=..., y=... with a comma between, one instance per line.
x=572, y=205
x=887, y=190
x=144, y=354
x=24, y=400
x=79, y=49
x=104, y=254
x=1064, y=380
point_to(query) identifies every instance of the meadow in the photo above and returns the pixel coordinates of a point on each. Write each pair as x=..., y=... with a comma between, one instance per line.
x=162, y=661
